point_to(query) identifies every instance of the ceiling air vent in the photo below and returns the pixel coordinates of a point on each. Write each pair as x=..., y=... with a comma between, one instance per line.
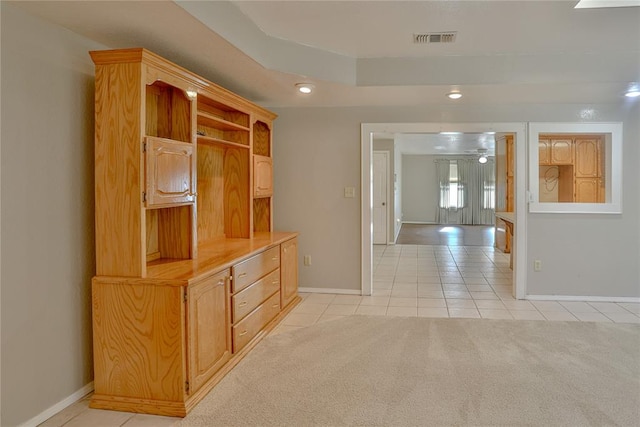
x=448, y=37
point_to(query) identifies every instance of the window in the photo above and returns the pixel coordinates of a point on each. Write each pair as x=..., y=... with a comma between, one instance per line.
x=575, y=167
x=452, y=193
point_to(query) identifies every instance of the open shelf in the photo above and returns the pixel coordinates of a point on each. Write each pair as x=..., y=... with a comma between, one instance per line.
x=168, y=112
x=217, y=141
x=218, y=123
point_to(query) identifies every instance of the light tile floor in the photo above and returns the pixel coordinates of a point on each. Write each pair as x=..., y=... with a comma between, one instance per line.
x=409, y=280
x=448, y=281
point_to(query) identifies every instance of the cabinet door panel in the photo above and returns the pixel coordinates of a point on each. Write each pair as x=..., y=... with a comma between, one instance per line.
x=262, y=176
x=587, y=190
x=209, y=337
x=544, y=152
x=561, y=151
x=170, y=172
x=588, y=158
x=288, y=271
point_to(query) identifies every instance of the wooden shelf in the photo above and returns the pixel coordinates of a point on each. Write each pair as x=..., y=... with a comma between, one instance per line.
x=218, y=123
x=202, y=139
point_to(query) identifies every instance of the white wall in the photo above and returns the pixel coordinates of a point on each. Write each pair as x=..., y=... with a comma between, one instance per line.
x=317, y=152
x=419, y=188
x=47, y=214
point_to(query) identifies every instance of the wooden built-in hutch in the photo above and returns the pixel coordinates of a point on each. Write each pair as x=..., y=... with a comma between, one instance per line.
x=190, y=274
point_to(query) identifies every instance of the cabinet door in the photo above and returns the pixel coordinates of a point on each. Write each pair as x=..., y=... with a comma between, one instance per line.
x=510, y=195
x=170, y=172
x=587, y=190
x=262, y=176
x=510, y=159
x=544, y=152
x=588, y=158
x=288, y=271
x=561, y=152
x=209, y=328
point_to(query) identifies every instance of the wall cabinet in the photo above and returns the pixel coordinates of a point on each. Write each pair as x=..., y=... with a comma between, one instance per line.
x=555, y=151
x=571, y=168
x=188, y=266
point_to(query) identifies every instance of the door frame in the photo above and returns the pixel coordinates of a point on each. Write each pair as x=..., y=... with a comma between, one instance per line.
x=519, y=247
x=387, y=183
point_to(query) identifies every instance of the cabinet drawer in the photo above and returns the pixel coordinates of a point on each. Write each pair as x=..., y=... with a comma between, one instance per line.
x=247, y=272
x=249, y=298
x=244, y=331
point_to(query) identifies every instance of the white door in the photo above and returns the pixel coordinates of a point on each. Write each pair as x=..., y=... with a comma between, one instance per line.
x=380, y=165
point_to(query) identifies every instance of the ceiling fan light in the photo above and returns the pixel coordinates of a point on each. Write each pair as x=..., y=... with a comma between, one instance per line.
x=633, y=93
x=482, y=159
x=455, y=94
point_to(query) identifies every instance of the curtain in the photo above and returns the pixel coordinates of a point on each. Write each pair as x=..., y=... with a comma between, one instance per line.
x=442, y=172
x=487, y=177
x=476, y=191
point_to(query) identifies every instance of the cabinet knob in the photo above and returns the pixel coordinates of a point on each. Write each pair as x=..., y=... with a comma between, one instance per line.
x=242, y=304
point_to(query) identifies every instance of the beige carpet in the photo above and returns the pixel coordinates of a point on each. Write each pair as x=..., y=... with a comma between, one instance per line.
x=381, y=371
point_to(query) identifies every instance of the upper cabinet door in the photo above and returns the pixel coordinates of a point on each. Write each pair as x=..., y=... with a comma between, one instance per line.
x=562, y=151
x=588, y=157
x=262, y=176
x=170, y=172
x=544, y=152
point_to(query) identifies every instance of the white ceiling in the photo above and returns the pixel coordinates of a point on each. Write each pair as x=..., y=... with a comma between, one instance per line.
x=361, y=53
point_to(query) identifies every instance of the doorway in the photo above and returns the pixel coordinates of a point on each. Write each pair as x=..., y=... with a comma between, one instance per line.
x=368, y=131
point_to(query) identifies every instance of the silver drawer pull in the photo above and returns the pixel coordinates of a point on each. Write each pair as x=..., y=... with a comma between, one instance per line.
x=243, y=333
x=275, y=305
x=242, y=304
x=275, y=282
x=241, y=275
x=221, y=282
x=275, y=258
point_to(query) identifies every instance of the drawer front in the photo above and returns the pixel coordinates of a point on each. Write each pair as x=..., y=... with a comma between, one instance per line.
x=247, y=272
x=244, y=331
x=249, y=298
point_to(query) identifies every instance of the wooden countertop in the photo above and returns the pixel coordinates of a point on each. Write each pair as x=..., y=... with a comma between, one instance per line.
x=212, y=257
x=507, y=216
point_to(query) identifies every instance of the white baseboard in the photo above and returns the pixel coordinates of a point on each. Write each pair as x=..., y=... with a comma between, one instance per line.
x=64, y=403
x=581, y=298
x=330, y=291
x=420, y=222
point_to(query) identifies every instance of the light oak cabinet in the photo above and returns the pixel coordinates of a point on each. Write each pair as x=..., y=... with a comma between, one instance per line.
x=208, y=319
x=263, y=176
x=289, y=271
x=571, y=168
x=170, y=172
x=505, y=195
x=187, y=262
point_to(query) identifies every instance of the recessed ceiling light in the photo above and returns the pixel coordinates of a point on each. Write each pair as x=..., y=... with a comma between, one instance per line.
x=305, y=87
x=632, y=93
x=454, y=94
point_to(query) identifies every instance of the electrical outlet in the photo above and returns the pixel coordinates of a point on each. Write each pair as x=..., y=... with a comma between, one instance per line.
x=350, y=192
x=537, y=265
x=307, y=260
